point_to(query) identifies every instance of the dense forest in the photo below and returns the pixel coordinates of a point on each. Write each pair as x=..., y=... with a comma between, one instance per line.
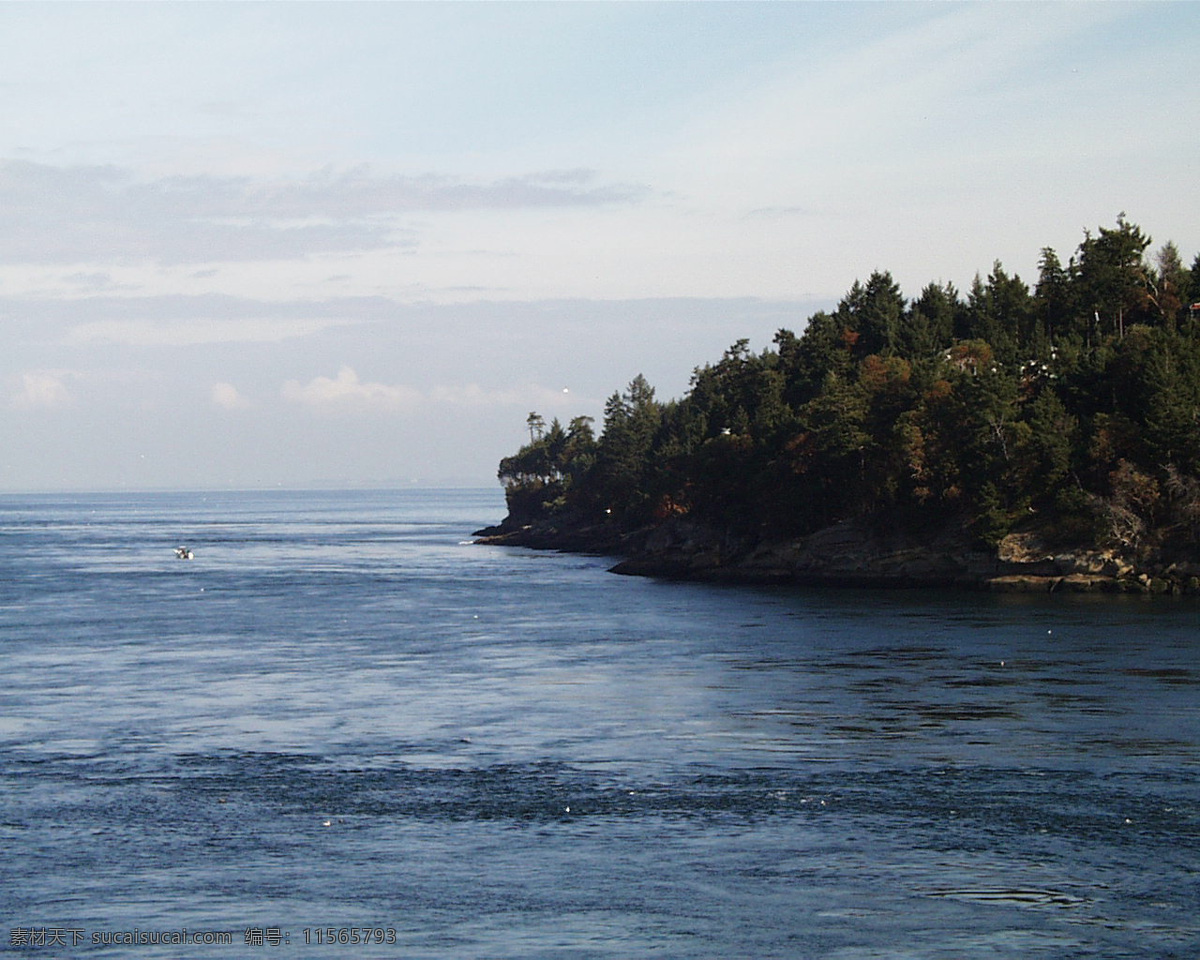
x=1071, y=408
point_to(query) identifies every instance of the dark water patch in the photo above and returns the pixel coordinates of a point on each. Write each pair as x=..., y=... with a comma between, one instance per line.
x=103, y=793
x=1166, y=674
x=1006, y=896
x=902, y=654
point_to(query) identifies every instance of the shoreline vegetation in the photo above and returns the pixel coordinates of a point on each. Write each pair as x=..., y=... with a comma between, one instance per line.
x=1010, y=439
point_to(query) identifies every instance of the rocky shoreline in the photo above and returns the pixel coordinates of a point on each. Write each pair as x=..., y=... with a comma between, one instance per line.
x=854, y=554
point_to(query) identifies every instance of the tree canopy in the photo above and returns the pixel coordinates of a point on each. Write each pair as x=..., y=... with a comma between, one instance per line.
x=1073, y=406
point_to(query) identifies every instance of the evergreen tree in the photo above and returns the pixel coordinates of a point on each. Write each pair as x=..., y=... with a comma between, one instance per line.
x=1167, y=286
x=1053, y=305
x=875, y=312
x=1111, y=276
x=932, y=320
x=623, y=454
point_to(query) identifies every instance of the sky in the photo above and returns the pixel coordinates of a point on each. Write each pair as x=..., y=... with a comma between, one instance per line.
x=248, y=245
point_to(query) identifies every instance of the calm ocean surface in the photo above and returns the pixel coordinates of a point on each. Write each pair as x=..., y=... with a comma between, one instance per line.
x=342, y=721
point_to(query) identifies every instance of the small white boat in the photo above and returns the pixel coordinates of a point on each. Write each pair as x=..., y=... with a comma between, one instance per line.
x=183, y=553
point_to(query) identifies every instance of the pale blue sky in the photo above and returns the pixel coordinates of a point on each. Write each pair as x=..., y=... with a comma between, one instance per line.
x=251, y=244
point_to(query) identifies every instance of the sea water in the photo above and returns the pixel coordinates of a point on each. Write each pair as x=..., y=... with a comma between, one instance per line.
x=342, y=729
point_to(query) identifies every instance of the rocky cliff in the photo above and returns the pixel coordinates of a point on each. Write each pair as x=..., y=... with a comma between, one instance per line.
x=853, y=553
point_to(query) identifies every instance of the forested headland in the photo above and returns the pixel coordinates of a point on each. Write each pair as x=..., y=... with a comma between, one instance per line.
x=1008, y=434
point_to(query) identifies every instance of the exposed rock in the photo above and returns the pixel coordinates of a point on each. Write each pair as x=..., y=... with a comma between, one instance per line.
x=854, y=553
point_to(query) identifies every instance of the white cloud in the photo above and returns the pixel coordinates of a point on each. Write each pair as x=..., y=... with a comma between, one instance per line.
x=533, y=396
x=42, y=390
x=347, y=391
x=90, y=282
x=167, y=333
x=228, y=397
x=107, y=214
